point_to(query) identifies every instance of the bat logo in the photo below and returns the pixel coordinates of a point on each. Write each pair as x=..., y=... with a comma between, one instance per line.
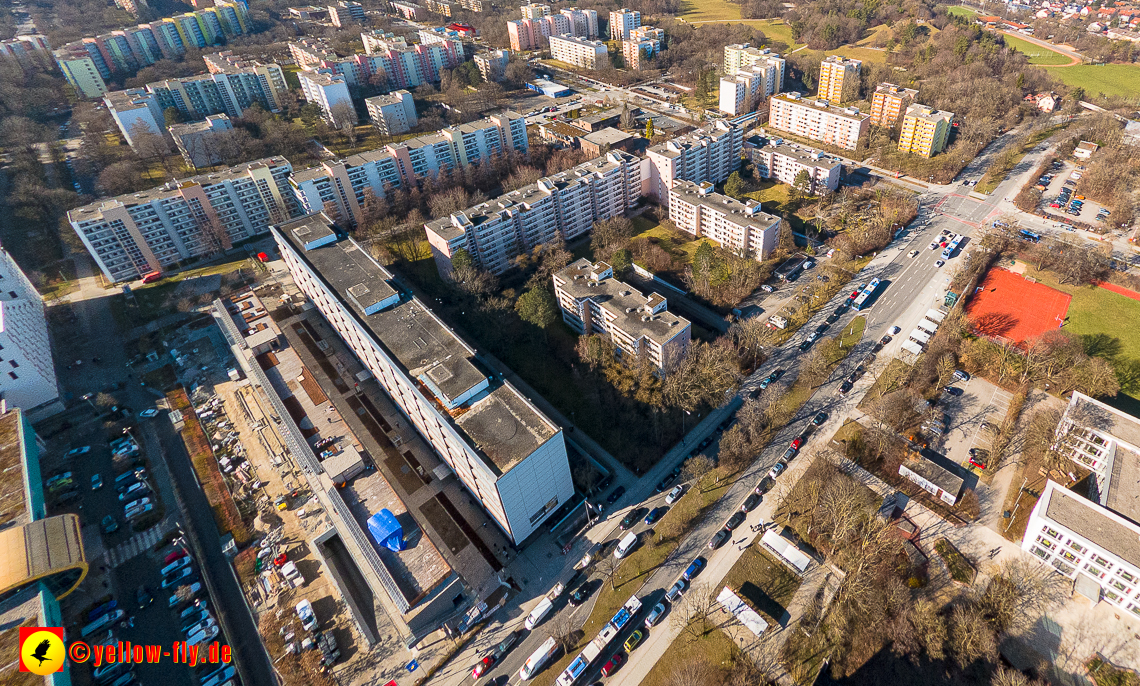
x=41, y=651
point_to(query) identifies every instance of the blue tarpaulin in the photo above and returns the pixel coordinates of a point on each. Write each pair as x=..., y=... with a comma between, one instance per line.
x=386, y=530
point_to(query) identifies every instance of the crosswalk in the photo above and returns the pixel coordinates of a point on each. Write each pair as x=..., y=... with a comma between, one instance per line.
x=138, y=543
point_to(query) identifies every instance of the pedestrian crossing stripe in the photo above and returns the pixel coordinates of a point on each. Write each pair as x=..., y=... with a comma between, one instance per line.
x=136, y=544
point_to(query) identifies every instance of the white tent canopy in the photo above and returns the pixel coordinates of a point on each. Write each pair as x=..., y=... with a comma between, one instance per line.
x=744, y=614
x=912, y=347
x=935, y=315
x=920, y=336
x=786, y=550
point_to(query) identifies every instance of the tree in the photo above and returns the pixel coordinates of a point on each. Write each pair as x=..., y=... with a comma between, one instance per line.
x=802, y=186
x=627, y=121
x=649, y=128
x=734, y=186
x=606, y=568
x=537, y=306
x=693, y=615
x=621, y=261
x=704, y=376
x=696, y=467
x=610, y=235
x=172, y=115
x=563, y=632
x=344, y=119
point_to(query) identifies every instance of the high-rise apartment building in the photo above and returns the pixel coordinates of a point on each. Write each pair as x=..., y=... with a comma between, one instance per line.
x=393, y=113
x=456, y=49
x=925, y=130
x=31, y=49
x=27, y=373
x=134, y=234
x=785, y=163
x=708, y=154
x=535, y=11
x=200, y=143
x=493, y=64
x=644, y=42
x=835, y=74
x=80, y=70
x=330, y=92
x=410, y=10
x=534, y=34
x=346, y=183
x=579, y=52
x=622, y=22
x=639, y=326
x=743, y=228
x=559, y=207
x=739, y=57
x=743, y=92
x=135, y=111
x=231, y=91
x=508, y=455
x=817, y=120
x=346, y=12
x=889, y=102
x=583, y=23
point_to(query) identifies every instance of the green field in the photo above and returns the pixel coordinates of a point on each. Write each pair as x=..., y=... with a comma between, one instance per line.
x=1036, y=53
x=1103, y=79
x=709, y=10
x=959, y=11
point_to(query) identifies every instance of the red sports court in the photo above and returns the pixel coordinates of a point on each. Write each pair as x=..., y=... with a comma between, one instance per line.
x=1013, y=307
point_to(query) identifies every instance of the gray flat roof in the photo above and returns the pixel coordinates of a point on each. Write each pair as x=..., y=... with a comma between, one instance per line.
x=738, y=212
x=936, y=474
x=425, y=347
x=1104, y=418
x=620, y=298
x=803, y=156
x=1085, y=517
x=1123, y=495
x=607, y=136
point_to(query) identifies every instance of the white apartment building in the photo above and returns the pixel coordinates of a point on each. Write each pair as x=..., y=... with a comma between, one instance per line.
x=509, y=456
x=535, y=11
x=27, y=373
x=1098, y=437
x=742, y=92
x=580, y=52
x=622, y=22
x=134, y=234
x=583, y=23
x=743, y=228
x=785, y=162
x=493, y=64
x=134, y=109
x=346, y=182
x=393, y=113
x=563, y=206
x=346, y=12
x=644, y=42
x=199, y=142
x=740, y=57
x=330, y=92
x=818, y=120
x=708, y=154
x=594, y=302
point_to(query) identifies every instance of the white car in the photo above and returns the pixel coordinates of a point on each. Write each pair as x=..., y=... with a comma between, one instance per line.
x=939, y=263
x=674, y=495
x=894, y=330
x=305, y=614
x=79, y=451
x=912, y=253
x=148, y=413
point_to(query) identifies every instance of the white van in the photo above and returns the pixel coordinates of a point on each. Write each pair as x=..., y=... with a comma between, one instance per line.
x=539, y=613
x=627, y=544
x=539, y=658
x=102, y=622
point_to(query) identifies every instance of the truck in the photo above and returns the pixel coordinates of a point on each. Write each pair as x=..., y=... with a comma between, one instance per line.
x=538, y=659
x=778, y=322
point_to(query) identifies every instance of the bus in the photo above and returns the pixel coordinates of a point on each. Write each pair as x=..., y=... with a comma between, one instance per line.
x=538, y=659
x=1027, y=235
x=601, y=642
x=861, y=300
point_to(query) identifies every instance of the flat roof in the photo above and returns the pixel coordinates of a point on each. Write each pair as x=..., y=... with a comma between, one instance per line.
x=822, y=105
x=675, y=147
x=14, y=507
x=25, y=610
x=935, y=473
x=807, y=157
x=1094, y=414
x=631, y=307
x=1090, y=520
x=927, y=113
x=607, y=136
x=1123, y=496
x=426, y=348
x=738, y=212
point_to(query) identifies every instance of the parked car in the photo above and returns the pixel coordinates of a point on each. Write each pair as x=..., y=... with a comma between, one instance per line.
x=735, y=520
x=789, y=455
x=110, y=526
x=693, y=569
x=580, y=594
x=654, y=515
x=82, y=450
x=797, y=442
x=177, y=578
x=777, y=469
x=96, y=482
x=143, y=597
x=633, y=641
x=655, y=615
x=764, y=486
x=819, y=419
x=675, y=591
x=133, y=490
x=719, y=538
x=845, y=387
x=615, y=494
x=960, y=375
x=894, y=330
x=674, y=495
x=953, y=390
x=631, y=518
x=664, y=483
x=750, y=503
x=482, y=666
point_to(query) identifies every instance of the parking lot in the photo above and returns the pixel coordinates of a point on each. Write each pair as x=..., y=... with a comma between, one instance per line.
x=981, y=405
x=1083, y=210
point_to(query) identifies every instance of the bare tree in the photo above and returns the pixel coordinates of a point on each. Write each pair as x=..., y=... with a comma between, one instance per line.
x=606, y=568
x=563, y=631
x=696, y=467
x=343, y=116
x=692, y=616
x=970, y=638
x=695, y=672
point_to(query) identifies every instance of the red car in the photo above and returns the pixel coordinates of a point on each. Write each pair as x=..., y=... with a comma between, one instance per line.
x=484, y=664
x=943, y=244
x=797, y=442
x=175, y=555
x=977, y=463
x=1054, y=205
x=611, y=666
x=280, y=560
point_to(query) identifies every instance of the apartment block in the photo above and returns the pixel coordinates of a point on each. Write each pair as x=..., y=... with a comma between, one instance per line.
x=644, y=42
x=622, y=22
x=507, y=454
x=27, y=373
x=742, y=228
x=559, y=207
x=200, y=143
x=135, y=111
x=579, y=52
x=583, y=23
x=817, y=120
x=640, y=326
x=403, y=65
x=492, y=65
x=330, y=92
x=535, y=11
x=409, y=10
x=346, y=12
x=835, y=73
x=137, y=233
x=742, y=92
x=346, y=183
x=456, y=50
x=81, y=72
x=32, y=49
x=740, y=57
x=445, y=7
x=230, y=91
x=889, y=102
x=392, y=114
x=534, y=34
x=785, y=163
x=309, y=13
x=925, y=130
x=708, y=154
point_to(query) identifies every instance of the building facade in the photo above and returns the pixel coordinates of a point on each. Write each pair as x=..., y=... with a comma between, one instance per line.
x=27, y=373
x=707, y=154
x=594, y=302
x=623, y=22
x=135, y=111
x=818, y=120
x=200, y=143
x=535, y=34
x=392, y=114
x=888, y=104
x=346, y=12
x=743, y=92
x=583, y=23
x=925, y=130
x=330, y=92
x=785, y=163
x=644, y=42
x=739, y=57
x=559, y=207
x=836, y=73
x=493, y=64
x=508, y=455
x=579, y=52
x=134, y=234
x=34, y=49
x=80, y=71
x=742, y=228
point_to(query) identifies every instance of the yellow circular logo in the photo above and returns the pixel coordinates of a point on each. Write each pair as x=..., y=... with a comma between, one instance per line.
x=42, y=653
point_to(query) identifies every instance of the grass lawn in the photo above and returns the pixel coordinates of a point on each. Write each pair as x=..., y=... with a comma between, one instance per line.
x=709, y=10
x=860, y=53
x=1103, y=80
x=716, y=649
x=1097, y=311
x=853, y=332
x=959, y=11
x=960, y=568
x=873, y=33
x=763, y=582
x=1036, y=53
x=891, y=374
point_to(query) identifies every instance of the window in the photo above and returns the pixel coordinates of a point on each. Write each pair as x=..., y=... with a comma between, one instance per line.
x=1077, y=547
x=13, y=375
x=13, y=363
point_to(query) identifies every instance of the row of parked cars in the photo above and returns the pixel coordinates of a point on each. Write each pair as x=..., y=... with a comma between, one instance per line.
x=135, y=495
